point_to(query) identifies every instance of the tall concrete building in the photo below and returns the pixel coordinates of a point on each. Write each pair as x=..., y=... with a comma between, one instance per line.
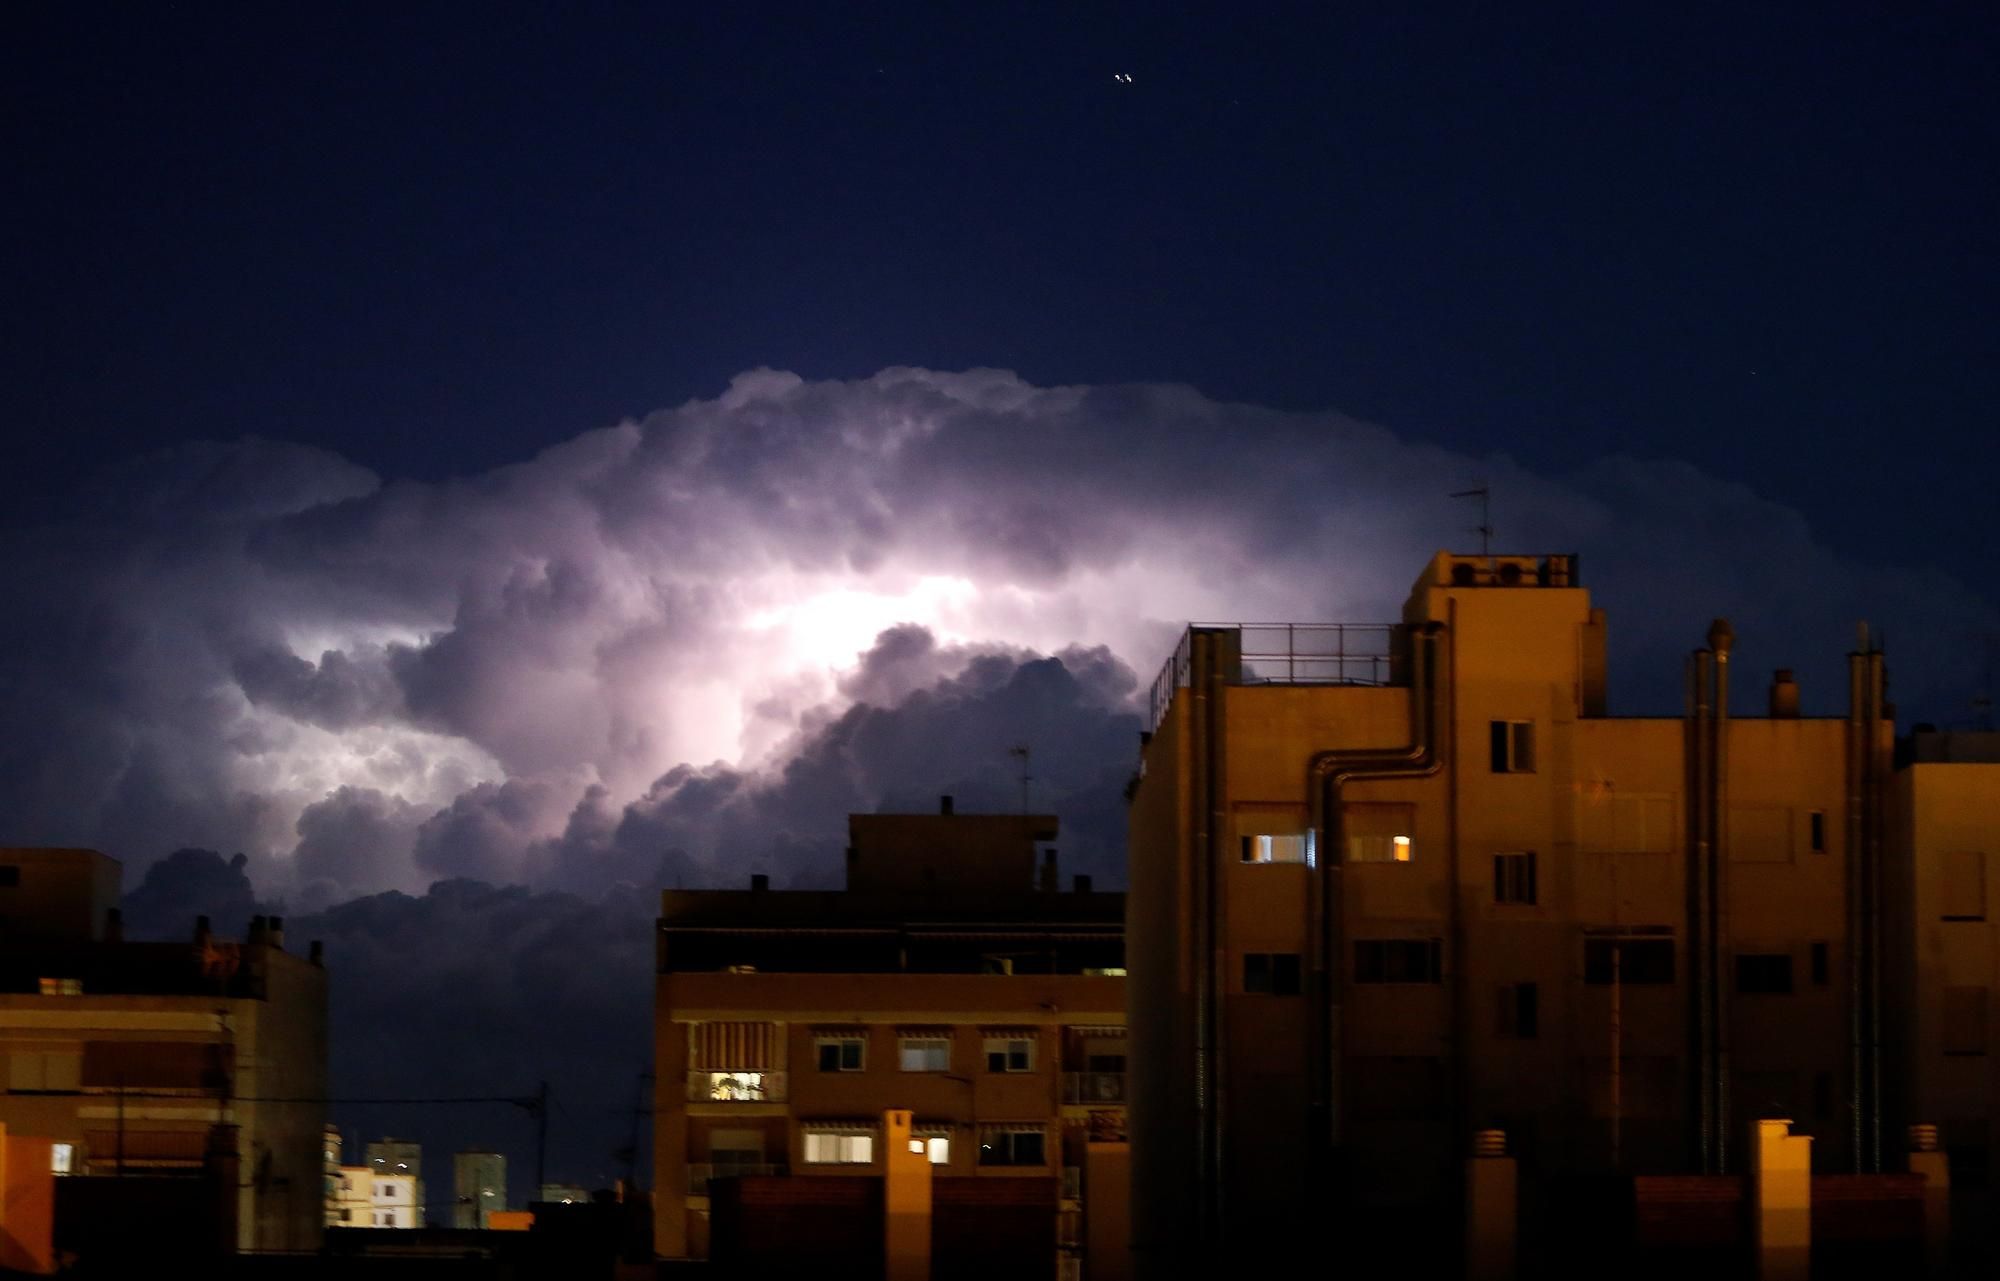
x=1394, y=884
x=950, y=978
x=192, y=1065
x=479, y=1187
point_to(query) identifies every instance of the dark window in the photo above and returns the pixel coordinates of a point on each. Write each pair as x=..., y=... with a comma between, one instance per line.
x=1514, y=877
x=1513, y=747
x=1769, y=973
x=1398, y=961
x=10, y=875
x=1819, y=966
x=1271, y=973
x=1819, y=831
x=1639, y=960
x=1520, y=1011
x=1822, y=1095
x=840, y=1056
x=1022, y=1147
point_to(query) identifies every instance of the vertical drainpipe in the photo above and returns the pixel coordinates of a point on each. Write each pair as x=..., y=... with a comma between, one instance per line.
x=1207, y=678
x=1877, y=782
x=1326, y=774
x=1857, y=1065
x=1720, y=639
x=1700, y=920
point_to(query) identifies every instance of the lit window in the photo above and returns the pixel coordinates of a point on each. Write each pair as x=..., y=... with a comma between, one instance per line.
x=924, y=1054
x=1010, y=1054
x=1267, y=847
x=732, y=1087
x=1379, y=833
x=1273, y=834
x=62, y=1158
x=839, y=1147
x=840, y=1053
x=938, y=1148
x=1104, y=971
x=62, y=987
x=1513, y=745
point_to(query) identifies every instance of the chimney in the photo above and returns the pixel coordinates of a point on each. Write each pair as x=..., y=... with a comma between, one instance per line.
x=1784, y=695
x=114, y=925
x=316, y=953
x=260, y=931
x=1048, y=885
x=759, y=882
x=202, y=932
x=1082, y=883
x=276, y=936
x=944, y=806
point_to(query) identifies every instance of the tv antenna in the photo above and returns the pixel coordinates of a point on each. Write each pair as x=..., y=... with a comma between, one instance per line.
x=1485, y=526
x=1022, y=751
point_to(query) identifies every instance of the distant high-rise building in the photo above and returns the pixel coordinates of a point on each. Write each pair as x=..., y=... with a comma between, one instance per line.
x=401, y=1157
x=479, y=1187
x=567, y=1193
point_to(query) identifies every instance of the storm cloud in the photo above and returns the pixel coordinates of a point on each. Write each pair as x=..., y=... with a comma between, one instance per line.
x=673, y=649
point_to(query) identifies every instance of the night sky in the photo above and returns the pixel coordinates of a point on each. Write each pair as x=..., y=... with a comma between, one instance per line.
x=555, y=455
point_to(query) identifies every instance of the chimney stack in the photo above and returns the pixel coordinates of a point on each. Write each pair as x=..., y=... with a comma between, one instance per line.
x=1049, y=883
x=944, y=806
x=1784, y=695
x=260, y=931
x=276, y=933
x=316, y=953
x=114, y=925
x=759, y=882
x=202, y=932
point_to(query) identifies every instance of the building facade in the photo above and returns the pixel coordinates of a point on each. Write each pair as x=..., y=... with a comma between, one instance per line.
x=1394, y=884
x=479, y=1187
x=949, y=978
x=401, y=1158
x=203, y=1059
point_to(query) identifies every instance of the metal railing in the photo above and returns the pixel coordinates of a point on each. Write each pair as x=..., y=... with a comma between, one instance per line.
x=1093, y=1087
x=1287, y=654
x=706, y=1086
x=699, y=1175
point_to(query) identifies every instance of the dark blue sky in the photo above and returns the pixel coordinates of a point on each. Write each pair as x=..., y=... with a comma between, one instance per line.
x=1757, y=237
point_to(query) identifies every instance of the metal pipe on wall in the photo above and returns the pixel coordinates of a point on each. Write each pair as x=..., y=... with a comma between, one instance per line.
x=1857, y=1066
x=1700, y=917
x=1720, y=639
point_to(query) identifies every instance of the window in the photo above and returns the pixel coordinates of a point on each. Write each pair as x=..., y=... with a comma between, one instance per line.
x=1816, y=831
x=1271, y=973
x=839, y=1147
x=1399, y=961
x=1011, y=1146
x=734, y=1087
x=1520, y=1011
x=1640, y=960
x=1514, y=878
x=1513, y=747
x=840, y=1053
x=1379, y=833
x=62, y=987
x=62, y=1158
x=1964, y=887
x=1283, y=847
x=1819, y=964
x=1965, y=1020
x=923, y=1054
x=1010, y=1053
x=936, y=1145
x=1764, y=973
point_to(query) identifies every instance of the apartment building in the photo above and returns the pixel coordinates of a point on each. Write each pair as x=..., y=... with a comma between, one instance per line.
x=950, y=978
x=1395, y=883
x=1945, y=803
x=400, y=1158
x=479, y=1187
x=177, y=1067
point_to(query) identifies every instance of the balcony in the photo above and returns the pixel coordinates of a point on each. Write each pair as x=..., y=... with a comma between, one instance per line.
x=1093, y=1087
x=699, y=1175
x=1287, y=654
x=736, y=1087
x=1072, y=1183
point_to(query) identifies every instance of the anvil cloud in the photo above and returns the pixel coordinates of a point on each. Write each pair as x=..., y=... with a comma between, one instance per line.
x=679, y=648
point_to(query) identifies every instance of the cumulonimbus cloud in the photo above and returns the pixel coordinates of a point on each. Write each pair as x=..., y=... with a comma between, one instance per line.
x=673, y=647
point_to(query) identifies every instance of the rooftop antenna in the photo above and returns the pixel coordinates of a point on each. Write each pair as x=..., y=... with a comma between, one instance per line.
x=1021, y=750
x=1485, y=526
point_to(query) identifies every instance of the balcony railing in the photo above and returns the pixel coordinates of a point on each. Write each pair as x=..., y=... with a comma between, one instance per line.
x=1287, y=654
x=699, y=1175
x=736, y=1087
x=1093, y=1087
